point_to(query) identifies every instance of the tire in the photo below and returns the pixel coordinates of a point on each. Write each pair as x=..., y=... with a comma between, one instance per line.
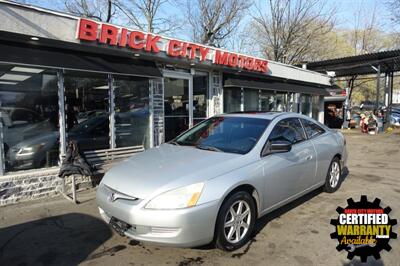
x=334, y=176
x=245, y=222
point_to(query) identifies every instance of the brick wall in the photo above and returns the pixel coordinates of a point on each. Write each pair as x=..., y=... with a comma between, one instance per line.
x=35, y=184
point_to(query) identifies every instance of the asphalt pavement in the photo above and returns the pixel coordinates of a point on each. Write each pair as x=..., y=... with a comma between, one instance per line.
x=56, y=232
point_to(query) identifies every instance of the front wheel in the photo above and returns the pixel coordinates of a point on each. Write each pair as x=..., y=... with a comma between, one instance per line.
x=235, y=222
x=333, y=178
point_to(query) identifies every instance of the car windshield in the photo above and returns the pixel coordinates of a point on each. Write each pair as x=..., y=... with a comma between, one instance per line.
x=224, y=134
x=89, y=124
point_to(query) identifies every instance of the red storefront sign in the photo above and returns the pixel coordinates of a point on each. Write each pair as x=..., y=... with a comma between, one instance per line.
x=89, y=30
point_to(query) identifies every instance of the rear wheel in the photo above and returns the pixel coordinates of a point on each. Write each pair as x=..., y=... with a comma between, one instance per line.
x=235, y=222
x=333, y=178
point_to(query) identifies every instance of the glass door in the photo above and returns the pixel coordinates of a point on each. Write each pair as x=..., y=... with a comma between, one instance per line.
x=200, y=96
x=178, y=104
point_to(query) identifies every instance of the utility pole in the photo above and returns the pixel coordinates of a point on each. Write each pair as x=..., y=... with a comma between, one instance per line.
x=378, y=85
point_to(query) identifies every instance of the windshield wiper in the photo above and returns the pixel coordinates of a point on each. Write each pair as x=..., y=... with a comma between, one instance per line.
x=174, y=143
x=208, y=148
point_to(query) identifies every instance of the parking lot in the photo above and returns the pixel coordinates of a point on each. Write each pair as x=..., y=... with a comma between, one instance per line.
x=56, y=232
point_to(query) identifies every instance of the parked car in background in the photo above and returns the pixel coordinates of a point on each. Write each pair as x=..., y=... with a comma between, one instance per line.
x=395, y=117
x=213, y=181
x=22, y=123
x=91, y=134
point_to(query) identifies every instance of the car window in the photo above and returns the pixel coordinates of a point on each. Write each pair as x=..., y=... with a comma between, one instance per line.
x=289, y=130
x=225, y=134
x=312, y=129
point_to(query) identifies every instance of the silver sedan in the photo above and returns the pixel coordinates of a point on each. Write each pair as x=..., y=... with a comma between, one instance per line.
x=212, y=182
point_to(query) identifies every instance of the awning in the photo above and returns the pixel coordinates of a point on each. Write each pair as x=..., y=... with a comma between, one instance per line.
x=263, y=84
x=75, y=60
x=335, y=98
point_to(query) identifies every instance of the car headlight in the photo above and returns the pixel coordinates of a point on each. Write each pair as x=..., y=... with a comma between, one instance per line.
x=30, y=150
x=179, y=198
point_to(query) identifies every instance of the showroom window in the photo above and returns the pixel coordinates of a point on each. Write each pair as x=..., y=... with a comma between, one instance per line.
x=232, y=100
x=281, y=102
x=132, y=116
x=267, y=100
x=87, y=109
x=305, y=101
x=29, y=117
x=315, y=106
x=291, y=102
x=251, y=99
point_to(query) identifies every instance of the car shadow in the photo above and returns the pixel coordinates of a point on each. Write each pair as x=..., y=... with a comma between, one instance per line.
x=58, y=240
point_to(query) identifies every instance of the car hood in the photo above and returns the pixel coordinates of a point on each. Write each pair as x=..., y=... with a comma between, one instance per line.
x=167, y=167
x=48, y=138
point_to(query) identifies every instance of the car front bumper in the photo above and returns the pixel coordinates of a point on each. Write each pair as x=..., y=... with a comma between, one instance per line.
x=189, y=227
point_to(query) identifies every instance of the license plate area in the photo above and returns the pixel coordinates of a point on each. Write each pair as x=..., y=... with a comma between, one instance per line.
x=119, y=226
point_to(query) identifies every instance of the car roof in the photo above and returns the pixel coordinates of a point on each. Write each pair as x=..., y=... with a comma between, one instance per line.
x=258, y=114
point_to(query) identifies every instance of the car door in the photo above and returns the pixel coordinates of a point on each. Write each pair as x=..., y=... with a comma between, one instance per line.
x=323, y=147
x=289, y=173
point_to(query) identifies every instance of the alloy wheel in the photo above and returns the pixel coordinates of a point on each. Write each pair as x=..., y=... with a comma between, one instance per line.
x=334, y=174
x=237, y=221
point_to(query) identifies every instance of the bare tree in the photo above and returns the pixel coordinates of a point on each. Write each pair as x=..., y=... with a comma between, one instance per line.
x=212, y=21
x=288, y=28
x=366, y=36
x=148, y=15
x=394, y=8
x=102, y=10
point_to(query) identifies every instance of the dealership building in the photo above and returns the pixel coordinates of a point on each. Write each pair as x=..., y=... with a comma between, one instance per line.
x=118, y=91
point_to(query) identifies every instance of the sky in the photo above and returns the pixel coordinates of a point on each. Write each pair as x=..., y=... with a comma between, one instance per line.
x=348, y=8
x=345, y=16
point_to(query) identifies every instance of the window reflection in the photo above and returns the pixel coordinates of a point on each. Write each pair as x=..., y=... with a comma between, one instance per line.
x=232, y=100
x=305, y=104
x=131, y=111
x=315, y=107
x=267, y=100
x=250, y=99
x=29, y=115
x=176, y=106
x=281, y=102
x=86, y=109
x=200, y=96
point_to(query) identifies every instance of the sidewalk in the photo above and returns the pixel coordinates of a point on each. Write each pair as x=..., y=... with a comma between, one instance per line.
x=51, y=231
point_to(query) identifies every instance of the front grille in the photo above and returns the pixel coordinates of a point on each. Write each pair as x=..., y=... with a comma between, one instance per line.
x=113, y=195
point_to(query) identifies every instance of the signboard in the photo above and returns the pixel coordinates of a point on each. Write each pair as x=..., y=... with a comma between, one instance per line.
x=111, y=35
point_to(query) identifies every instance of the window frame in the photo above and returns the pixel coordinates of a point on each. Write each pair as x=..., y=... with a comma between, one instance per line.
x=305, y=131
x=283, y=119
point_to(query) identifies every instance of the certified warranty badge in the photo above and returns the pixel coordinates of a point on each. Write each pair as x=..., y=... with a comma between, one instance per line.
x=363, y=228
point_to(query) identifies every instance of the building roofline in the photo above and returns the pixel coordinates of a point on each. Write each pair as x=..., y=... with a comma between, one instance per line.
x=71, y=16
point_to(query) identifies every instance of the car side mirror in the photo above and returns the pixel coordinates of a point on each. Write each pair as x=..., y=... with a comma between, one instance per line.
x=276, y=146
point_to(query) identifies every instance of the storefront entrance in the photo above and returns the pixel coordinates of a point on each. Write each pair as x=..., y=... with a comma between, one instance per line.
x=186, y=97
x=178, y=103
